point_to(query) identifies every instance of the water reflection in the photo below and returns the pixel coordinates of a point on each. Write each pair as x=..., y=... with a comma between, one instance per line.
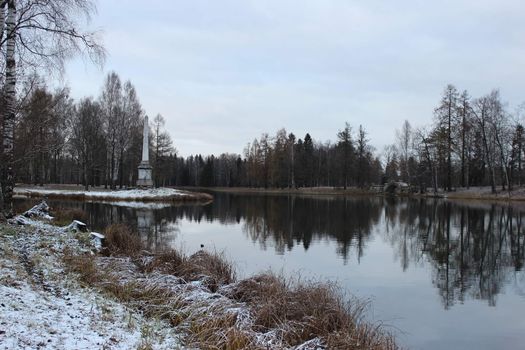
x=473, y=250
x=470, y=251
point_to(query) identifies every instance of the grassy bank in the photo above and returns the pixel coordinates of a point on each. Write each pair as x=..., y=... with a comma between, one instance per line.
x=201, y=296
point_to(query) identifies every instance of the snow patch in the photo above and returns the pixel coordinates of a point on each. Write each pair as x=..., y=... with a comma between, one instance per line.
x=42, y=306
x=39, y=211
x=121, y=195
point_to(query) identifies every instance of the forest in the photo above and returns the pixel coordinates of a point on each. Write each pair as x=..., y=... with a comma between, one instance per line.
x=97, y=142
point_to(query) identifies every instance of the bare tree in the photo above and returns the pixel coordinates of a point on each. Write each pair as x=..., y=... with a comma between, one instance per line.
x=481, y=111
x=87, y=137
x=404, y=141
x=464, y=111
x=127, y=121
x=427, y=154
x=501, y=130
x=39, y=34
x=163, y=147
x=347, y=149
x=111, y=102
x=447, y=117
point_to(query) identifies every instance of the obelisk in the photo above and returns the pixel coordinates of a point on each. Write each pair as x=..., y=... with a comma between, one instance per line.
x=145, y=179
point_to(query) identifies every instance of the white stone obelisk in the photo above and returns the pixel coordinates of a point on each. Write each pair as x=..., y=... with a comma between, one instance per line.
x=145, y=179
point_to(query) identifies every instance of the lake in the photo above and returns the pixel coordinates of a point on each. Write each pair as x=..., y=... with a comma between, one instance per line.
x=440, y=274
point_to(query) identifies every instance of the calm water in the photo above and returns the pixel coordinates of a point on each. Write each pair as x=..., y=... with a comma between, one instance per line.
x=443, y=275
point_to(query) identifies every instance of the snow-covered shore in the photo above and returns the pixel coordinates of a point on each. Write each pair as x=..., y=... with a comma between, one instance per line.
x=134, y=195
x=44, y=307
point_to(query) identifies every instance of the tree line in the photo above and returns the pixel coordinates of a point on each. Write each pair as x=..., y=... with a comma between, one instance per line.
x=97, y=142
x=471, y=142
x=93, y=142
x=285, y=161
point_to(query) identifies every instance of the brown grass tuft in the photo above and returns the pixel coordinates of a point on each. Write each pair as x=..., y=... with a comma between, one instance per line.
x=219, y=332
x=84, y=265
x=210, y=268
x=303, y=310
x=121, y=240
x=167, y=262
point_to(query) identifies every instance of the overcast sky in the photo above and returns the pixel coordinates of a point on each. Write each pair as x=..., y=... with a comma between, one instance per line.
x=223, y=72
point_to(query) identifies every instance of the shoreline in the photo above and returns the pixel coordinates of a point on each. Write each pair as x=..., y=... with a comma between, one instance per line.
x=184, y=194
x=153, y=195
x=473, y=193
x=193, y=301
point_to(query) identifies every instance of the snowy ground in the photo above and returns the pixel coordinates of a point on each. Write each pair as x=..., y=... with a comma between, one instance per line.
x=42, y=307
x=152, y=194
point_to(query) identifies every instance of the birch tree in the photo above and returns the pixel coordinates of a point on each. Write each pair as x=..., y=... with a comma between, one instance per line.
x=37, y=34
x=111, y=102
x=7, y=176
x=128, y=120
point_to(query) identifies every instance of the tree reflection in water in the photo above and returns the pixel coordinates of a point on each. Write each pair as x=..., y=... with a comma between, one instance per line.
x=473, y=250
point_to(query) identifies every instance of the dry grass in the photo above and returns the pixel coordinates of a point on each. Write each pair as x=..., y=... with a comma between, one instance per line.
x=84, y=265
x=303, y=310
x=64, y=216
x=121, y=240
x=220, y=332
x=266, y=306
x=210, y=268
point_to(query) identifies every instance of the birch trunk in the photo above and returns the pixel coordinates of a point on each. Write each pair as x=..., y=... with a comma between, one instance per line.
x=8, y=125
x=2, y=30
x=2, y=21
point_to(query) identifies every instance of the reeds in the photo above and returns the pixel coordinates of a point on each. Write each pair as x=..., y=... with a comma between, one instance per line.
x=121, y=240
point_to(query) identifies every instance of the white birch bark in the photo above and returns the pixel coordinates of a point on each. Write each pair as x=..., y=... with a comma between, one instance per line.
x=2, y=21
x=8, y=125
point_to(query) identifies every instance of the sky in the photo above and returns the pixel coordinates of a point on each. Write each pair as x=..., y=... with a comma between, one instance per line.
x=224, y=72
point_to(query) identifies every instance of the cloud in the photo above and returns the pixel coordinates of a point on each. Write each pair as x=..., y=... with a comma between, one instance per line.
x=223, y=72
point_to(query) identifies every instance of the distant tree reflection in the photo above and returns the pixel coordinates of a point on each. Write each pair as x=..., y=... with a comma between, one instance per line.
x=473, y=250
